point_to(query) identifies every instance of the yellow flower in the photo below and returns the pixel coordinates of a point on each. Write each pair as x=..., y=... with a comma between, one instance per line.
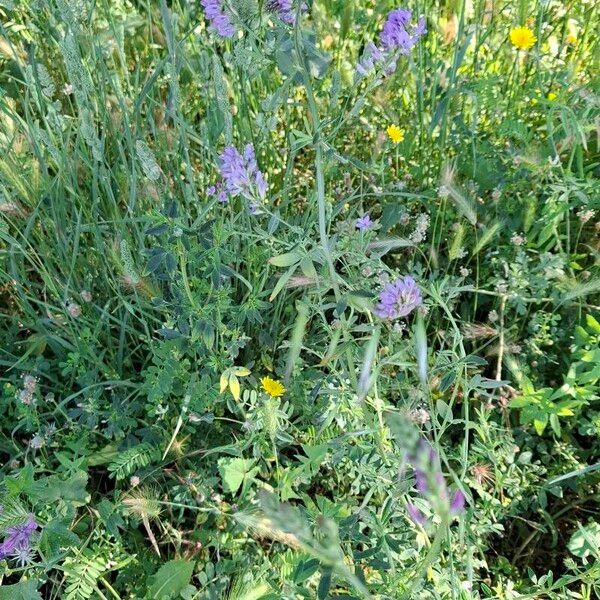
x=395, y=134
x=522, y=38
x=571, y=39
x=551, y=96
x=272, y=387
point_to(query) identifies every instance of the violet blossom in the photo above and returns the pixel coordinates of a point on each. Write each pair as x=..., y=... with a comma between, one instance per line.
x=18, y=538
x=399, y=298
x=398, y=36
x=218, y=191
x=431, y=485
x=241, y=174
x=363, y=223
x=285, y=9
x=220, y=21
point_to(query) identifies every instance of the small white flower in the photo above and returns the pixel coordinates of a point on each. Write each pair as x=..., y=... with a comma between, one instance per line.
x=586, y=215
x=36, y=442
x=74, y=309
x=399, y=327
x=30, y=383
x=26, y=397
x=86, y=296
x=419, y=416
x=517, y=239
x=23, y=556
x=67, y=89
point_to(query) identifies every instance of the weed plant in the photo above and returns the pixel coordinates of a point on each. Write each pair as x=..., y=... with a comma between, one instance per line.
x=299, y=299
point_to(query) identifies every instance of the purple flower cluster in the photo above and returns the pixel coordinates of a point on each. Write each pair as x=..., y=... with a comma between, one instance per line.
x=398, y=33
x=363, y=223
x=218, y=190
x=430, y=483
x=285, y=9
x=220, y=21
x=399, y=298
x=18, y=538
x=241, y=174
x=398, y=36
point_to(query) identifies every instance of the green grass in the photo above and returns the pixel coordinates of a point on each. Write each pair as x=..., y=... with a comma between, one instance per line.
x=154, y=463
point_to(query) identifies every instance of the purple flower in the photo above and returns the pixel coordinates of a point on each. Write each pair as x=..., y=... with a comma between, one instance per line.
x=285, y=9
x=458, y=503
x=415, y=514
x=219, y=192
x=363, y=223
x=430, y=483
x=421, y=481
x=241, y=174
x=394, y=33
x=18, y=537
x=397, y=36
x=220, y=21
x=421, y=28
x=399, y=298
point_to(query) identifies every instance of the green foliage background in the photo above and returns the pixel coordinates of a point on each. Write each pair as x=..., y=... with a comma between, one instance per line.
x=152, y=459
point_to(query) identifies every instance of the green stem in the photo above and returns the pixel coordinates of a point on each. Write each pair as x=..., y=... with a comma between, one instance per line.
x=320, y=177
x=320, y=191
x=110, y=588
x=432, y=553
x=184, y=275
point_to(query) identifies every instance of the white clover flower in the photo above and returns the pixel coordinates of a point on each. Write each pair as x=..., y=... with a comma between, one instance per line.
x=74, y=309
x=517, y=239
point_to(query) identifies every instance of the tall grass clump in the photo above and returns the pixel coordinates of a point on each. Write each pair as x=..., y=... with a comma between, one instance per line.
x=299, y=299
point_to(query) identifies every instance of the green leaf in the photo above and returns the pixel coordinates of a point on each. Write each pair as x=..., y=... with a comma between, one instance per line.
x=24, y=590
x=234, y=471
x=555, y=424
x=285, y=260
x=324, y=585
x=21, y=483
x=281, y=282
x=306, y=264
x=540, y=424
x=70, y=490
x=444, y=410
x=56, y=535
x=306, y=569
x=592, y=323
x=586, y=541
x=171, y=579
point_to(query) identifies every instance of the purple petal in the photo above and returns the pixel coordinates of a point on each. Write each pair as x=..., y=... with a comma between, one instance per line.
x=421, y=482
x=415, y=514
x=458, y=502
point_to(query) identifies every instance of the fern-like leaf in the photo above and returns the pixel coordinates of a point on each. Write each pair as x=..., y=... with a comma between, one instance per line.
x=132, y=459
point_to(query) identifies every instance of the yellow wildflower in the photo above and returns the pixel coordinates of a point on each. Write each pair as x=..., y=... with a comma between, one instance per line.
x=272, y=387
x=395, y=134
x=551, y=96
x=571, y=39
x=522, y=38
